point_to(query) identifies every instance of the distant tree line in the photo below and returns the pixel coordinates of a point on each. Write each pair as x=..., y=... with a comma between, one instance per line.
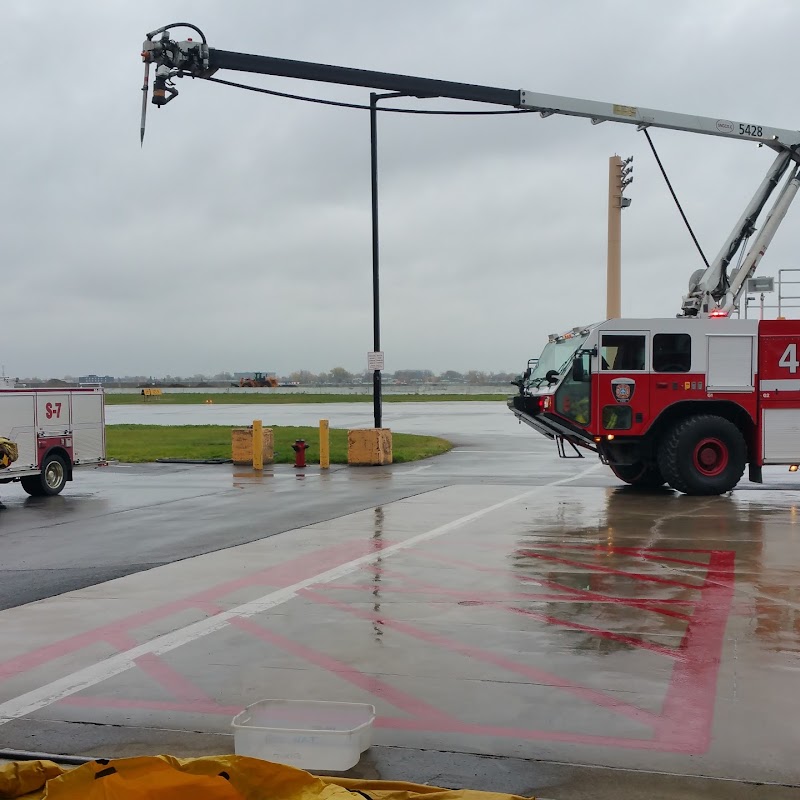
x=338, y=376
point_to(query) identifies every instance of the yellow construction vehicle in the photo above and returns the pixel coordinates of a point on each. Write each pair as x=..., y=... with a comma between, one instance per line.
x=259, y=379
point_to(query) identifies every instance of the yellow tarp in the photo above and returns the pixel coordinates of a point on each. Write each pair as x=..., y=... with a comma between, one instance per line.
x=9, y=452
x=213, y=778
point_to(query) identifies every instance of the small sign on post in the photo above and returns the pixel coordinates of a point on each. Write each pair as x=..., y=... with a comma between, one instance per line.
x=756, y=285
x=375, y=360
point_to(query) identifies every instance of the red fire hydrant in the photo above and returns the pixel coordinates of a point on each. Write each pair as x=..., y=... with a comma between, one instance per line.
x=300, y=448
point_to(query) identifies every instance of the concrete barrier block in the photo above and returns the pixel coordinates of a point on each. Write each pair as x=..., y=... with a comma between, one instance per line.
x=369, y=446
x=242, y=446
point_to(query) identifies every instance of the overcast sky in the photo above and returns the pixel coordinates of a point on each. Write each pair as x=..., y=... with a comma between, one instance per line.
x=238, y=238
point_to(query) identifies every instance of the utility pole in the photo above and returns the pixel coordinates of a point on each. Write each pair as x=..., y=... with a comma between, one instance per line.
x=377, y=390
x=619, y=178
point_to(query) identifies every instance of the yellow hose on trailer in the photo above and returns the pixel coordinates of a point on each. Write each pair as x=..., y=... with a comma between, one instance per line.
x=9, y=452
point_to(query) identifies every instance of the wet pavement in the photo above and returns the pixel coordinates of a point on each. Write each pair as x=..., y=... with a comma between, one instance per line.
x=519, y=622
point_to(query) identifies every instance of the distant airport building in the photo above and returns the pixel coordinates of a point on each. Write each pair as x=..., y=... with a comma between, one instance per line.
x=101, y=379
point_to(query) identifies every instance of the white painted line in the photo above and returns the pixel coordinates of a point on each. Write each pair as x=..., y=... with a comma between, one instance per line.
x=412, y=471
x=457, y=450
x=89, y=676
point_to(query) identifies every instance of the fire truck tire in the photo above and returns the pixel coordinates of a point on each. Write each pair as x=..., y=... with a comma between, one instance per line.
x=703, y=455
x=643, y=476
x=51, y=479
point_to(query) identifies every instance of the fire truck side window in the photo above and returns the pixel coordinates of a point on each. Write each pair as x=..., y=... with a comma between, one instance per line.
x=622, y=353
x=672, y=352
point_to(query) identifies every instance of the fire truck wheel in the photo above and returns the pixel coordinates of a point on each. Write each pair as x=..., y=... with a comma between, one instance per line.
x=644, y=476
x=703, y=455
x=51, y=480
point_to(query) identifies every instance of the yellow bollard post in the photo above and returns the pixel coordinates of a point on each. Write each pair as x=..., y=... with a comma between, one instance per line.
x=258, y=444
x=324, y=445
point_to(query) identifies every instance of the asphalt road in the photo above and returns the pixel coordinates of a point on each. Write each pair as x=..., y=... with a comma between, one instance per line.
x=123, y=519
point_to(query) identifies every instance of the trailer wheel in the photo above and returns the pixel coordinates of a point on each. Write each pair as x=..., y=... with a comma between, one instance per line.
x=643, y=476
x=703, y=455
x=51, y=480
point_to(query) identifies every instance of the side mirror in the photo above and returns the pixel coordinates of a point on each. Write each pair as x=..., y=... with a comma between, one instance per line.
x=521, y=380
x=578, y=372
x=551, y=377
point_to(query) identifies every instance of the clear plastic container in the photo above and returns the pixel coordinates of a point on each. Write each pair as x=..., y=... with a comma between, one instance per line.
x=309, y=734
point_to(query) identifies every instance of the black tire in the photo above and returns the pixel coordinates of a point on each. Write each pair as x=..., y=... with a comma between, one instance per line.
x=642, y=476
x=32, y=485
x=703, y=455
x=51, y=479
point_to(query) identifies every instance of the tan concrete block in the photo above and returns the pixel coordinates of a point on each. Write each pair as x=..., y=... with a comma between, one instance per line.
x=242, y=446
x=370, y=446
x=269, y=446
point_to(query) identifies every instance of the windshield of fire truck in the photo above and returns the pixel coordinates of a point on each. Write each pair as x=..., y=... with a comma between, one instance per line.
x=556, y=355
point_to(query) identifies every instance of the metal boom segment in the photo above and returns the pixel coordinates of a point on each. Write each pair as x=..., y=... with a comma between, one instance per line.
x=712, y=289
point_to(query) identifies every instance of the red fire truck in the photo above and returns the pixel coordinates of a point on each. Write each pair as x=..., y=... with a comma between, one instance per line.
x=677, y=401
x=688, y=401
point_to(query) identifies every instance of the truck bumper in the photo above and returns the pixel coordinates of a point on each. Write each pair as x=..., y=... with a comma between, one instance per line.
x=526, y=410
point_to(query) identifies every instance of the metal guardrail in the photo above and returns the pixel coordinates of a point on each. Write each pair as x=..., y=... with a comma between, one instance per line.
x=786, y=305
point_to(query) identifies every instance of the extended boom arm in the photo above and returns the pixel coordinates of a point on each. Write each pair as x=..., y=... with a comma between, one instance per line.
x=708, y=291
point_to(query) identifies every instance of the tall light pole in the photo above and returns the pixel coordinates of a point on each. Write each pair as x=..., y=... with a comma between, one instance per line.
x=619, y=178
x=377, y=356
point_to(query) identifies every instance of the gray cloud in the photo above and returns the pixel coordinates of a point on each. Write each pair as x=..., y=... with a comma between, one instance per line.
x=194, y=253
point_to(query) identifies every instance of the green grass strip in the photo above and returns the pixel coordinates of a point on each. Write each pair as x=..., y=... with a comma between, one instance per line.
x=142, y=443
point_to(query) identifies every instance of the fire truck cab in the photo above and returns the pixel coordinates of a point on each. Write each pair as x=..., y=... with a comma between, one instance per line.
x=683, y=402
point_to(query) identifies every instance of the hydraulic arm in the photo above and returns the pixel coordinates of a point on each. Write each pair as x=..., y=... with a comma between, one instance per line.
x=711, y=290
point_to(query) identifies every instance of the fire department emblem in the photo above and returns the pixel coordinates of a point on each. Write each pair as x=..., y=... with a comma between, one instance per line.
x=623, y=389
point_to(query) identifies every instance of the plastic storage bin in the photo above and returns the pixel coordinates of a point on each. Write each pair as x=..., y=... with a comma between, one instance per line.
x=310, y=734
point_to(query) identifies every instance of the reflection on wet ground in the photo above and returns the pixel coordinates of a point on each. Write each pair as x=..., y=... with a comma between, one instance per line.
x=498, y=603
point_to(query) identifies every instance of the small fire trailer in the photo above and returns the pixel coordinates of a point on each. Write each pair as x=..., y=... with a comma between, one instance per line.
x=45, y=434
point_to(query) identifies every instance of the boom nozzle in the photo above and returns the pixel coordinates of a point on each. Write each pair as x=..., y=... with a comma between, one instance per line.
x=173, y=59
x=145, y=88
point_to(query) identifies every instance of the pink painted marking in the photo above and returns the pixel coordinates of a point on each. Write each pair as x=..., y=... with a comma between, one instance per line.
x=617, y=549
x=633, y=641
x=537, y=676
x=683, y=727
x=411, y=586
x=399, y=699
x=647, y=604
x=688, y=710
x=498, y=598
x=638, y=576
x=277, y=575
x=658, y=558
x=177, y=684
x=648, y=554
x=653, y=604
